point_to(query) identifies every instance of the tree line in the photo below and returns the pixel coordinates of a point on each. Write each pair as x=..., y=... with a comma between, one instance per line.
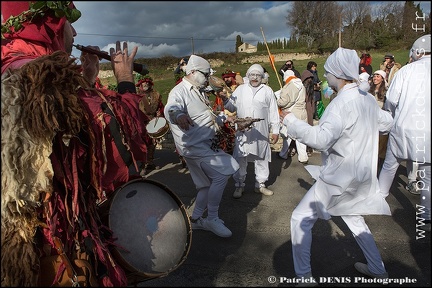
x=321, y=26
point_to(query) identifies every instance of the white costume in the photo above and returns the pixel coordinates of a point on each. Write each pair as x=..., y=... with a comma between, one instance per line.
x=209, y=168
x=347, y=185
x=293, y=99
x=409, y=100
x=253, y=145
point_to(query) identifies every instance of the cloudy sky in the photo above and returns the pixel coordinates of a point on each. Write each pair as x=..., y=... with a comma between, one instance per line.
x=180, y=28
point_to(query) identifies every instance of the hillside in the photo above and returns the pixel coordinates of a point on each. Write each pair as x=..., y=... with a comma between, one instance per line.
x=216, y=61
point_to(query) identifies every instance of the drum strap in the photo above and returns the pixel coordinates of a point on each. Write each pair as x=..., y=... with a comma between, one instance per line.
x=115, y=132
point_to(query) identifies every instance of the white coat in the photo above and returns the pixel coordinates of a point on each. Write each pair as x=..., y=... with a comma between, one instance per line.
x=195, y=144
x=347, y=136
x=409, y=100
x=261, y=104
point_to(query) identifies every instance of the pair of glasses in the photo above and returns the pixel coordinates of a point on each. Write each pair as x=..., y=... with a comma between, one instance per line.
x=206, y=75
x=255, y=75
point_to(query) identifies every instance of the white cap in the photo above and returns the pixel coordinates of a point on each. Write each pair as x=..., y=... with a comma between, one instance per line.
x=197, y=63
x=287, y=74
x=382, y=73
x=343, y=63
x=256, y=68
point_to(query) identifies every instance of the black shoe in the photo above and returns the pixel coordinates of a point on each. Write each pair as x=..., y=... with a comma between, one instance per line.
x=151, y=167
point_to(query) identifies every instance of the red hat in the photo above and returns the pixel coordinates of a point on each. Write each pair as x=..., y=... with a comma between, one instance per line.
x=228, y=74
x=47, y=29
x=147, y=79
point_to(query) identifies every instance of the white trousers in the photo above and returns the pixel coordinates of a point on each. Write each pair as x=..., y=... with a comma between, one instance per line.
x=262, y=172
x=302, y=221
x=300, y=147
x=210, y=197
x=423, y=175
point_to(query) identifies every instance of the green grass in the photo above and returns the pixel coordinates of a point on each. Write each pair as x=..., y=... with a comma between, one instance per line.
x=164, y=78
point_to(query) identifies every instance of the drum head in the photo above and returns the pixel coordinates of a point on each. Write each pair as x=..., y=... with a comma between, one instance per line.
x=152, y=227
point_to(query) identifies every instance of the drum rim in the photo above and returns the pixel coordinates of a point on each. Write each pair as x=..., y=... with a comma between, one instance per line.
x=129, y=269
x=158, y=135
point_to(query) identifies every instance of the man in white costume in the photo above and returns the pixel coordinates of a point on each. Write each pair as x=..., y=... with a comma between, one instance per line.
x=194, y=125
x=256, y=100
x=347, y=185
x=409, y=100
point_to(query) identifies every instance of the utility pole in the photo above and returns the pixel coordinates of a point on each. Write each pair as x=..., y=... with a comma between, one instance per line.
x=340, y=30
x=192, y=42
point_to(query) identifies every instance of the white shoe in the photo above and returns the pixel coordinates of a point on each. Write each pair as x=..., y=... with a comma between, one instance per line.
x=263, y=190
x=363, y=268
x=199, y=224
x=238, y=192
x=217, y=227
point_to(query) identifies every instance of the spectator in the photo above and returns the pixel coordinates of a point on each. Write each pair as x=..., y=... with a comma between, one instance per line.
x=194, y=126
x=307, y=78
x=265, y=79
x=379, y=88
x=289, y=65
x=365, y=64
x=346, y=185
x=256, y=100
x=312, y=67
x=179, y=72
x=408, y=99
x=390, y=67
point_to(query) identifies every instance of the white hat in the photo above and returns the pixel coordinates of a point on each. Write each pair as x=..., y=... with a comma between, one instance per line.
x=197, y=63
x=382, y=73
x=287, y=74
x=256, y=68
x=364, y=81
x=420, y=46
x=343, y=63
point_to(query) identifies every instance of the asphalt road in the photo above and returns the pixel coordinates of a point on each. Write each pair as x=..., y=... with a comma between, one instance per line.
x=260, y=246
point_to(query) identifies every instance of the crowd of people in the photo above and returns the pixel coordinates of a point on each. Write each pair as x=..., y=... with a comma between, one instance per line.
x=62, y=163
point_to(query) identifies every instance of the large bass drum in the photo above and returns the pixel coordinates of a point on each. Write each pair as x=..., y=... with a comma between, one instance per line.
x=152, y=228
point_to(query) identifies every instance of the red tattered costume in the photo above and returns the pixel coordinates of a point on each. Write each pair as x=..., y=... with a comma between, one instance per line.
x=59, y=158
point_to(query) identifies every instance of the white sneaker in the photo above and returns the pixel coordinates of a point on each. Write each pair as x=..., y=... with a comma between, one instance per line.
x=199, y=224
x=217, y=227
x=238, y=192
x=263, y=190
x=363, y=268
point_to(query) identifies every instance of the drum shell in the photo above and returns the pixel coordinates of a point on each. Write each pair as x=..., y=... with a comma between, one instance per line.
x=160, y=132
x=152, y=229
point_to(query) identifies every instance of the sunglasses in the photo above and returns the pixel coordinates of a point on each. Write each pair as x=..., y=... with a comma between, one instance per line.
x=206, y=75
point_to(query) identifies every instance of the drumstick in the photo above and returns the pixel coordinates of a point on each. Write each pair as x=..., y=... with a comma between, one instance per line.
x=157, y=119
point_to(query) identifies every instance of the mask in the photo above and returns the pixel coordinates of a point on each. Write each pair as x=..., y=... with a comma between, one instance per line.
x=333, y=82
x=198, y=79
x=255, y=79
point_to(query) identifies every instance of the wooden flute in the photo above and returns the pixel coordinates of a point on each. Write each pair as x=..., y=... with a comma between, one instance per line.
x=139, y=68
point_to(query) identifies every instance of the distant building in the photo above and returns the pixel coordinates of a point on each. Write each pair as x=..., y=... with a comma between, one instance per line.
x=247, y=48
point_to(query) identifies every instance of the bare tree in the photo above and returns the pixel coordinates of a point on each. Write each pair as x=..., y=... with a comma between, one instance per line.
x=314, y=21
